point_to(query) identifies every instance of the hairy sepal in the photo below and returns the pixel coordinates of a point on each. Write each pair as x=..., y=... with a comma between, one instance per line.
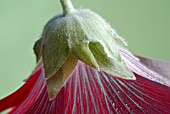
x=90, y=41
x=54, y=45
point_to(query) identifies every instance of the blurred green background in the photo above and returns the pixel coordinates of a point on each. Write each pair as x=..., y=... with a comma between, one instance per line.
x=145, y=24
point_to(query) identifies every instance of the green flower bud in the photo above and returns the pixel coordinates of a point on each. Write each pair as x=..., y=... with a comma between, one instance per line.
x=86, y=36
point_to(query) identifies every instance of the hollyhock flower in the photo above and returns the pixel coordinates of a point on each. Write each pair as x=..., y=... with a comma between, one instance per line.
x=83, y=67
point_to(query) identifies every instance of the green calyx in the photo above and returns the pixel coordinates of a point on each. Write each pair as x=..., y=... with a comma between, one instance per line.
x=80, y=35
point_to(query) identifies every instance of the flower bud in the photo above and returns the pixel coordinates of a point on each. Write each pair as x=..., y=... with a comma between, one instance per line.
x=88, y=37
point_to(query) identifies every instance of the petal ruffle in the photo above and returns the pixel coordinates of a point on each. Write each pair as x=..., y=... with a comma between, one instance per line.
x=91, y=92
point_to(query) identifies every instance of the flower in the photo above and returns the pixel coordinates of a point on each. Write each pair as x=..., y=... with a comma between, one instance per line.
x=83, y=66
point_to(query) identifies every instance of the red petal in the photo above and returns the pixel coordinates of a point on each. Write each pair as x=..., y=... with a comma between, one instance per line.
x=93, y=92
x=18, y=97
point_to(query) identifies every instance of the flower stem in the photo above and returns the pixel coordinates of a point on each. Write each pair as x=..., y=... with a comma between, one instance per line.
x=67, y=6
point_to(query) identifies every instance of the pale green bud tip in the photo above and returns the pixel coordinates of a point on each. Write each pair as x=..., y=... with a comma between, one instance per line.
x=67, y=6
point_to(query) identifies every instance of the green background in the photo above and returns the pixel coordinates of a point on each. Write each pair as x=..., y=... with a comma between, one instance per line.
x=145, y=24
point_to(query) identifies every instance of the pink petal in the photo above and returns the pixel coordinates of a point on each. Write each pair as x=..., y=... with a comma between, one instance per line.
x=143, y=66
x=160, y=66
x=93, y=92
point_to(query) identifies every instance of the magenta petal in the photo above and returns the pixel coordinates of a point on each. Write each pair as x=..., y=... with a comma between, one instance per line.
x=93, y=92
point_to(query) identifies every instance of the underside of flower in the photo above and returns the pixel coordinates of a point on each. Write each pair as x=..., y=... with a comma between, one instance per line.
x=83, y=67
